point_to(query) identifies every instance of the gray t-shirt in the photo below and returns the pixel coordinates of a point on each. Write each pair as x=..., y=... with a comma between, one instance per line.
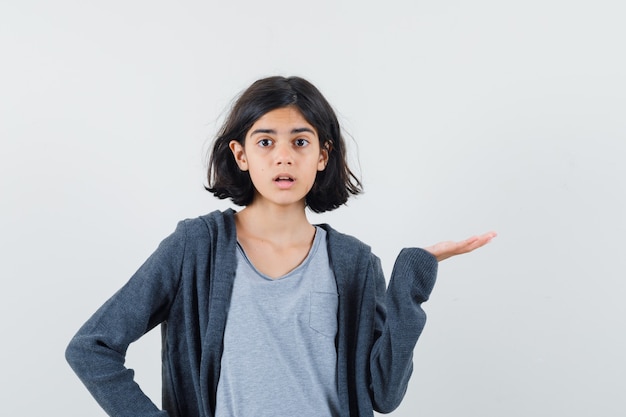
x=279, y=344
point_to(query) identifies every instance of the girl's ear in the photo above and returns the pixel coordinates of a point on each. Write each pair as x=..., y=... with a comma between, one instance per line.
x=324, y=152
x=240, y=155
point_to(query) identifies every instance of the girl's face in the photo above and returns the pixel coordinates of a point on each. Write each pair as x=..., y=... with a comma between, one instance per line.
x=282, y=154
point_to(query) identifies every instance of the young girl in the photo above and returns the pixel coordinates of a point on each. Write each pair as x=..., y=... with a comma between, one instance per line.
x=262, y=313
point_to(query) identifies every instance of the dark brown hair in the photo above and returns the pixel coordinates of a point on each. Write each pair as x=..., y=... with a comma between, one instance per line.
x=333, y=186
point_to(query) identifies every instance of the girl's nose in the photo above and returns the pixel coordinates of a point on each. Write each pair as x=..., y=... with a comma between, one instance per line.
x=284, y=155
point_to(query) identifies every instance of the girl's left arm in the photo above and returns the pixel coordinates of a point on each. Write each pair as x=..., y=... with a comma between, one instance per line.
x=400, y=320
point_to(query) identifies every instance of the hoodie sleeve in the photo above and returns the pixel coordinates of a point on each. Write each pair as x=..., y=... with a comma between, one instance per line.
x=97, y=352
x=400, y=320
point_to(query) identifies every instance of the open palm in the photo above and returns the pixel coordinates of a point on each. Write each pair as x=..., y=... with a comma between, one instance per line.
x=447, y=249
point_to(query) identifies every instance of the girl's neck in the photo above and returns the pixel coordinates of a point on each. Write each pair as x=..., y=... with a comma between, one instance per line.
x=274, y=223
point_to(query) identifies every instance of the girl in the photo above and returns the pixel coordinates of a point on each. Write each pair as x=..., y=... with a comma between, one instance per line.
x=262, y=313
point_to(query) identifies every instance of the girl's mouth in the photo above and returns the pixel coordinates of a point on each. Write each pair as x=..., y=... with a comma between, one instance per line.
x=284, y=181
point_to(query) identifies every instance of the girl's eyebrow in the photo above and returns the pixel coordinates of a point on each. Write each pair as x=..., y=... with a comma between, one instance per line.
x=273, y=132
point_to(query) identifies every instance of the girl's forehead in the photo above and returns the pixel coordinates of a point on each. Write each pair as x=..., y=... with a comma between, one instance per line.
x=282, y=118
x=283, y=115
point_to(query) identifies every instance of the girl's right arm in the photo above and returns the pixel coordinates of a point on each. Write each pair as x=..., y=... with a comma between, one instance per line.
x=97, y=352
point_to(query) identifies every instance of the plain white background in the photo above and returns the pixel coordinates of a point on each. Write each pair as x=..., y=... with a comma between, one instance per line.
x=462, y=117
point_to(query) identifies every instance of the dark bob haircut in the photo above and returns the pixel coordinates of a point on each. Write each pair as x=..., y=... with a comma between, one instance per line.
x=333, y=186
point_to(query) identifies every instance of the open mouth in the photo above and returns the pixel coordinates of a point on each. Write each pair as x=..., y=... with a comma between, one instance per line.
x=284, y=178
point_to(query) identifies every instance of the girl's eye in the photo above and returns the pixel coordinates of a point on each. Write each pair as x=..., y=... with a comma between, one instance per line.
x=300, y=143
x=264, y=143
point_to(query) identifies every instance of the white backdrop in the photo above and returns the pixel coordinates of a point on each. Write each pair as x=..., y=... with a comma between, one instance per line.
x=466, y=117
